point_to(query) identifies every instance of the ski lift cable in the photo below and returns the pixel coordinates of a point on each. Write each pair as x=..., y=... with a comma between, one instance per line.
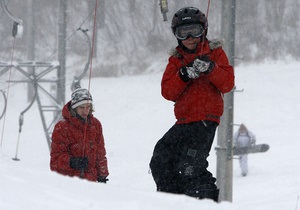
x=205, y=31
x=17, y=27
x=207, y=10
x=73, y=34
x=93, y=43
x=8, y=87
x=90, y=75
x=1, y=15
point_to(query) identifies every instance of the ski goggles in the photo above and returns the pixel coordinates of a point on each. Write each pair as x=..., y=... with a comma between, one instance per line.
x=184, y=31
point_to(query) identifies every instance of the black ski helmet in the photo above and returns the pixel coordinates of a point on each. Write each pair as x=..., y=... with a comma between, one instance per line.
x=189, y=15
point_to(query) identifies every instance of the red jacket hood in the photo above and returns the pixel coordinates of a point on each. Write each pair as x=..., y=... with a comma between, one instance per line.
x=72, y=119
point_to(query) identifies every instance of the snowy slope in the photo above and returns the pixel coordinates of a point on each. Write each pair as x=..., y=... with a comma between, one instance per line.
x=134, y=116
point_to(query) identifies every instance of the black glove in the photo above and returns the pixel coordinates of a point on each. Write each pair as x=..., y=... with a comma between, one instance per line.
x=79, y=163
x=203, y=65
x=188, y=72
x=102, y=179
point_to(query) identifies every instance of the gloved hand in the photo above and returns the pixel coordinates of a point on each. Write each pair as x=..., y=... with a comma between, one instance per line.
x=202, y=64
x=188, y=72
x=102, y=179
x=79, y=163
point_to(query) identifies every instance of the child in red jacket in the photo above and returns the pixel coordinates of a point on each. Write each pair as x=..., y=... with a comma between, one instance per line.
x=77, y=147
x=195, y=79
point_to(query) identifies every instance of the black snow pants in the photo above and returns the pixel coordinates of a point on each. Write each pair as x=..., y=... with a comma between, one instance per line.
x=179, y=162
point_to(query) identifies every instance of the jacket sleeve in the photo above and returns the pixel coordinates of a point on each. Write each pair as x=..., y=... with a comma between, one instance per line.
x=222, y=76
x=60, y=158
x=172, y=86
x=102, y=168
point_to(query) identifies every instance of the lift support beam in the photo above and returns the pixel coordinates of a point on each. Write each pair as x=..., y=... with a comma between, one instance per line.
x=45, y=87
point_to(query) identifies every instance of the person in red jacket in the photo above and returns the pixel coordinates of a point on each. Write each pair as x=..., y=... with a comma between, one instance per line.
x=195, y=79
x=77, y=147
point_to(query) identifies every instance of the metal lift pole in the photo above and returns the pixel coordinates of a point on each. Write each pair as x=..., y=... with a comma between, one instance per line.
x=61, y=74
x=225, y=130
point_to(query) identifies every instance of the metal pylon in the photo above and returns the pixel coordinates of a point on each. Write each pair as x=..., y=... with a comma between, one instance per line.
x=46, y=91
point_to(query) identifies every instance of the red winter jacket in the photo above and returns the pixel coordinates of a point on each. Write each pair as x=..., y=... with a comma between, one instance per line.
x=201, y=98
x=68, y=141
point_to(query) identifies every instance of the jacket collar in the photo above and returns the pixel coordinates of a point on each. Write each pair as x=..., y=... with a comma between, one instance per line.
x=202, y=48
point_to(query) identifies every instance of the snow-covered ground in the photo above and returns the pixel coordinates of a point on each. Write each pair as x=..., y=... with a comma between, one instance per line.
x=134, y=117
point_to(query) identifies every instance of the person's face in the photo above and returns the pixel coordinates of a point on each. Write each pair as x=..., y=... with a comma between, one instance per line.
x=243, y=129
x=83, y=110
x=191, y=43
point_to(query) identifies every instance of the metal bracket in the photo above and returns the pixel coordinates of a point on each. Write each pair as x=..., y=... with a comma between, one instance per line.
x=242, y=90
x=235, y=90
x=227, y=150
x=164, y=8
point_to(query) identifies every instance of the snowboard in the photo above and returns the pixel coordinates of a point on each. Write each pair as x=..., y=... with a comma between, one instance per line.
x=251, y=149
